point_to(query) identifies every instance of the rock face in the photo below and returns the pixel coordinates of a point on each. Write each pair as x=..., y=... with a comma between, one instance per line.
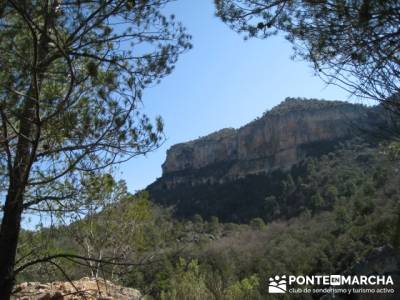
x=279, y=139
x=85, y=288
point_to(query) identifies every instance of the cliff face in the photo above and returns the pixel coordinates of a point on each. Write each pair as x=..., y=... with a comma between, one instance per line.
x=279, y=139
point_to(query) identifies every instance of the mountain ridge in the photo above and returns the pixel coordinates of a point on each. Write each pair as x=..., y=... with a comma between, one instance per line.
x=199, y=173
x=276, y=134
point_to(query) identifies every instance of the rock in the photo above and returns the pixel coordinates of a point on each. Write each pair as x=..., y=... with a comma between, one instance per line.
x=85, y=288
x=21, y=287
x=58, y=295
x=45, y=296
x=278, y=140
x=42, y=286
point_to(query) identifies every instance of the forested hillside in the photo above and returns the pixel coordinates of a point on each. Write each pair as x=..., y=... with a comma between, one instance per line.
x=334, y=210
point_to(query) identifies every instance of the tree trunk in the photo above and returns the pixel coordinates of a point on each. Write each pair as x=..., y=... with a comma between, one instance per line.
x=28, y=140
x=9, y=232
x=13, y=208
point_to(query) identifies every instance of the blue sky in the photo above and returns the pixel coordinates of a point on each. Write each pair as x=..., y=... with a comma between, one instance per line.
x=223, y=81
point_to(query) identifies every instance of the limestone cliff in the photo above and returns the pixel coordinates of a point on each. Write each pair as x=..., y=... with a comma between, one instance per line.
x=279, y=139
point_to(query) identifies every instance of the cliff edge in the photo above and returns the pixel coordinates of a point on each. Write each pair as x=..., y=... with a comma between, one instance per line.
x=279, y=139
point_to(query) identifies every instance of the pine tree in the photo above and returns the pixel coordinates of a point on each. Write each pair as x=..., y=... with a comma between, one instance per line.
x=71, y=76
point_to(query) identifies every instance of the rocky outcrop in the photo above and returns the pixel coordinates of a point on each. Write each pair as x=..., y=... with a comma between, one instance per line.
x=279, y=139
x=85, y=288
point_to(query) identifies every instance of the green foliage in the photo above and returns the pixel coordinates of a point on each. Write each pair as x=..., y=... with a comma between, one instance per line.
x=271, y=207
x=187, y=283
x=342, y=217
x=331, y=193
x=257, y=224
x=213, y=225
x=245, y=289
x=317, y=202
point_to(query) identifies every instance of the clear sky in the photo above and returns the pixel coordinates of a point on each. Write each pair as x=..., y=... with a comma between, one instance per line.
x=223, y=81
